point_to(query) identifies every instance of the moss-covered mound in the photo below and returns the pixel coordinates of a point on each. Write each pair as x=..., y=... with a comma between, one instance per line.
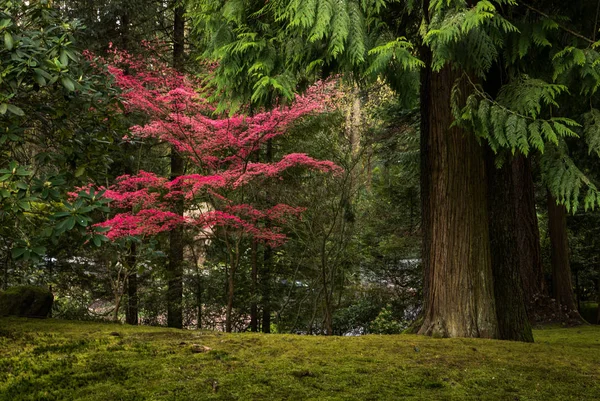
x=61, y=360
x=26, y=301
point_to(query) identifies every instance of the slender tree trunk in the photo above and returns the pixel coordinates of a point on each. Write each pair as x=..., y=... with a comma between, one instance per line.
x=513, y=323
x=230, y=294
x=266, y=290
x=234, y=262
x=254, y=277
x=425, y=168
x=528, y=234
x=457, y=261
x=175, y=268
x=598, y=291
x=131, y=313
x=199, y=302
x=266, y=267
x=562, y=285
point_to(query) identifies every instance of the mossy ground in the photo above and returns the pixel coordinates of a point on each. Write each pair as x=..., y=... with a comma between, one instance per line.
x=62, y=360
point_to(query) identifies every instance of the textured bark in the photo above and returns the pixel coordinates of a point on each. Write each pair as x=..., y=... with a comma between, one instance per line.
x=459, y=285
x=562, y=285
x=176, y=245
x=513, y=323
x=528, y=233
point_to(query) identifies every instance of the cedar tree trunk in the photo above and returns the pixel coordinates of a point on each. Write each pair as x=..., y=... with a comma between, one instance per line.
x=457, y=262
x=528, y=233
x=562, y=286
x=513, y=323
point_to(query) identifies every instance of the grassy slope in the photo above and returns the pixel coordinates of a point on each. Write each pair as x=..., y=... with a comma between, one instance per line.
x=59, y=360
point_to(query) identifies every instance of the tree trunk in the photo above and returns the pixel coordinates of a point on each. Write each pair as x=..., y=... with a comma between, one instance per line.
x=175, y=268
x=266, y=290
x=254, y=277
x=562, y=286
x=528, y=234
x=457, y=260
x=598, y=291
x=266, y=268
x=199, y=302
x=131, y=313
x=425, y=167
x=230, y=294
x=513, y=323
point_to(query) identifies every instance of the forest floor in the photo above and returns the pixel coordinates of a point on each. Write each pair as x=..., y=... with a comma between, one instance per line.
x=65, y=360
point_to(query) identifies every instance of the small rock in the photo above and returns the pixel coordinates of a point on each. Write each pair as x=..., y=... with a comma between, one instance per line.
x=199, y=349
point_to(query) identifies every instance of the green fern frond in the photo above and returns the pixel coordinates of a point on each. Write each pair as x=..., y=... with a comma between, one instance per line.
x=591, y=130
x=565, y=180
x=320, y=30
x=340, y=28
x=398, y=50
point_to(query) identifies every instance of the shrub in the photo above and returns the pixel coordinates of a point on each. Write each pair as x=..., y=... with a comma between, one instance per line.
x=27, y=301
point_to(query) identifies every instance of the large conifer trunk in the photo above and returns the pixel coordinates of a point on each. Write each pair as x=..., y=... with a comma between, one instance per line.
x=513, y=323
x=457, y=261
x=562, y=285
x=528, y=234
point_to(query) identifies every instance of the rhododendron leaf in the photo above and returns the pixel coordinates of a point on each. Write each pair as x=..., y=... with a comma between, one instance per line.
x=68, y=83
x=82, y=221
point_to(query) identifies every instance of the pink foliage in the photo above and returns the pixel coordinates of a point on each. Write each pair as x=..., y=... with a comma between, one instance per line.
x=220, y=146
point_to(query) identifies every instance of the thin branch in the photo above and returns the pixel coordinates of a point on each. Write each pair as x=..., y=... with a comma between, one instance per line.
x=564, y=28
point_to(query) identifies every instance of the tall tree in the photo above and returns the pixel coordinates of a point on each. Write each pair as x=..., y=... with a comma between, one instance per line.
x=513, y=322
x=462, y=40
x=562, y=282
x=528, y=233
x=460, y=289
x=176, y=238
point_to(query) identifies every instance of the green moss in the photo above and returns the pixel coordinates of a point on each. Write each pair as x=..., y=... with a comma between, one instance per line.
x=61, y=360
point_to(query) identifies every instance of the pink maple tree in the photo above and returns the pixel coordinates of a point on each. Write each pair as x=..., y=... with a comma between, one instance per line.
x=218, y=148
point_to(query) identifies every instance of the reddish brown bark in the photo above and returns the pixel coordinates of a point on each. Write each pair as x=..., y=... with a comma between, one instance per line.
x=528, y=233
x=513, y=323
x=459, y=285
x=562, y=286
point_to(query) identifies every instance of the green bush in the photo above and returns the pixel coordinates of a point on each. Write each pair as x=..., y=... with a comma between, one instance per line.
x=385, y=323
x=26, y=301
